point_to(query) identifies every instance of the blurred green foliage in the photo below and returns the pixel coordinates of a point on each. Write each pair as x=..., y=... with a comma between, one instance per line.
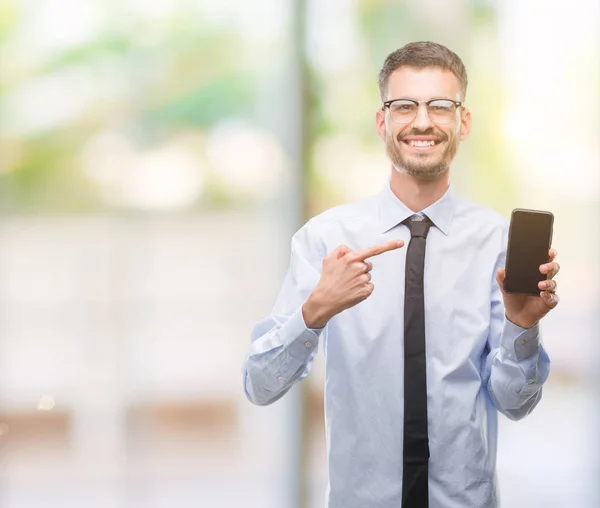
x=180, y=73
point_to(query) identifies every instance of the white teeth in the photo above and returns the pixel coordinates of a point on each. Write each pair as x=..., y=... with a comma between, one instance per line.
x=422, y=143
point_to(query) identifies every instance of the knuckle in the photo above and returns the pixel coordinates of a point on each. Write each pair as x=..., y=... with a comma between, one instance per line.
x=350, y=257
x=358, y=267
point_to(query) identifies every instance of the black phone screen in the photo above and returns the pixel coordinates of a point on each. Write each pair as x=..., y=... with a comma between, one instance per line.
x=529, y=240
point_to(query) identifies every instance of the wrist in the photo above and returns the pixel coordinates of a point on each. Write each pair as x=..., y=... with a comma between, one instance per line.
x=314, y=312
x=521, y=322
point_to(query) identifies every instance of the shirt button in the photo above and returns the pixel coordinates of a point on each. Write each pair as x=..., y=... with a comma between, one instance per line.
x=308, y=343
x=280, y=379
x=521, y=342
x=531, y=381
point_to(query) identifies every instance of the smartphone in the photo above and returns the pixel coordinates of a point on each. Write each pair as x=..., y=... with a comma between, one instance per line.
x=529, y=240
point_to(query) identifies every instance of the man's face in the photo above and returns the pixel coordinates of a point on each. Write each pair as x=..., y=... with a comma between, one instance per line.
x=402, y=140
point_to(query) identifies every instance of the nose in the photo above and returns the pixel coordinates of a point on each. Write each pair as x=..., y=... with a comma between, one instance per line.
x=422, y=120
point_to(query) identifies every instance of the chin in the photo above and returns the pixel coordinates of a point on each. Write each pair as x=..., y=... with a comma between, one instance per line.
x=425, y=173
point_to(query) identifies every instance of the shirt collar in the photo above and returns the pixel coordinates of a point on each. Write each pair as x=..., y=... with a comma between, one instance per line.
x=393, y=211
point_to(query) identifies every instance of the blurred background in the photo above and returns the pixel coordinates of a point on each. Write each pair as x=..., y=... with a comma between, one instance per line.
x=156, y=157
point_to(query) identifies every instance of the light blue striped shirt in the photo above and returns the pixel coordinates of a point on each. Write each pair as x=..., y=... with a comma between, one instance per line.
x=478, y=363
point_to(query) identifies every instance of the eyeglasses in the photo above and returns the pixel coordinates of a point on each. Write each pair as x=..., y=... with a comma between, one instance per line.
x=440, y=111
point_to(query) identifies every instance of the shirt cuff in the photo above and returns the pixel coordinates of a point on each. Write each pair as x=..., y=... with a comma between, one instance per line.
x=298, y=340
x=520, y=343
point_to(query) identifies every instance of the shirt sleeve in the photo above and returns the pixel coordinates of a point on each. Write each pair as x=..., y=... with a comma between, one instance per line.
x=282, y=347
x=517, y=364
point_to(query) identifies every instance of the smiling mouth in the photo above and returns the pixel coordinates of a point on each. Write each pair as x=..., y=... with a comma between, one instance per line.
x=421, y=145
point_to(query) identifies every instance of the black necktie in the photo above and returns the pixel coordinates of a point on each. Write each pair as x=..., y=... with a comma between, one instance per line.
x=416, y=442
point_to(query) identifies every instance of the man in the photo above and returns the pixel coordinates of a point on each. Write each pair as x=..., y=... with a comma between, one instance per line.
x=422, y=345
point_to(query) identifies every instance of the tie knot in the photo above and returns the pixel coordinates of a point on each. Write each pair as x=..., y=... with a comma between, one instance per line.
x=418, y=225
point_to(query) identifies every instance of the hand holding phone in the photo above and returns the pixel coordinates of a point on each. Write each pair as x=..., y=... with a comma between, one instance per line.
x=529, y=241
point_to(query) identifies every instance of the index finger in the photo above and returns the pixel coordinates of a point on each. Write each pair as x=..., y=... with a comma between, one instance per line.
x=377, y=249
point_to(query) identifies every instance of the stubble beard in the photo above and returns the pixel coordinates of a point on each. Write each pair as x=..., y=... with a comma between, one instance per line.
x=422, y=166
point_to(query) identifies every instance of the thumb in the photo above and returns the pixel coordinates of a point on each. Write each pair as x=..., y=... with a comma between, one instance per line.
x=340, y=251
x=500, y=276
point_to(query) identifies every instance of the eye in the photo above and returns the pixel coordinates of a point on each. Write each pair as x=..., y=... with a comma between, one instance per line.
x=441, y=105
x=403, y=107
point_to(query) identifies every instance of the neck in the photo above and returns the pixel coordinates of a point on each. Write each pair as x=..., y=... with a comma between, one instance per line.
x=418, y=194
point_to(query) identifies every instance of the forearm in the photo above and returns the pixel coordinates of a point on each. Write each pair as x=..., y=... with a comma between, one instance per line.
x=281, y=354
x=517, y=370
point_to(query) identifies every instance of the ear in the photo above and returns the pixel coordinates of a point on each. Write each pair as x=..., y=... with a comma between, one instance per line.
x=465, y=124
x=380, y=123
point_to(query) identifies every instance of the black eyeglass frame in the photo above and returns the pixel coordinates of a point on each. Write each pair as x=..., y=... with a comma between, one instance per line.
x=387, y=104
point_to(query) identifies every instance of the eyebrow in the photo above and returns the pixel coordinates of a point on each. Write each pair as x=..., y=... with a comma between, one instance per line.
x=426, y=100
